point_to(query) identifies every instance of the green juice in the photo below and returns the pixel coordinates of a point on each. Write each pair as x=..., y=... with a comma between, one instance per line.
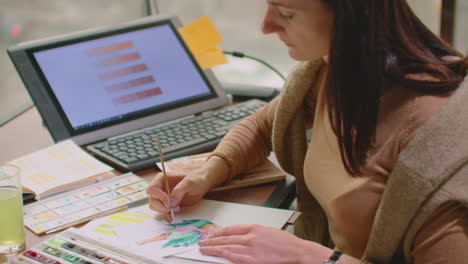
x=11, y=220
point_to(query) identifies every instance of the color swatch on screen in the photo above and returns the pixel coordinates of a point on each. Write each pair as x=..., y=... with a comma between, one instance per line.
x=136, y=96
x=130, y=84
x=123, y=74
x=111, y=48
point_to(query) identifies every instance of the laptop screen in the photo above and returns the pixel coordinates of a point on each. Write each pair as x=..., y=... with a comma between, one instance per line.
x=89, y=81
x=114, y=78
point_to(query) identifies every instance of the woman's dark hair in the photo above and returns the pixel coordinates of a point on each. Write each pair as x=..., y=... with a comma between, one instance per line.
x=375, y=44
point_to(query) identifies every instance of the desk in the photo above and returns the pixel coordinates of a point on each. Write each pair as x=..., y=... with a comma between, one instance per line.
x=22, y=135
x=25, y=134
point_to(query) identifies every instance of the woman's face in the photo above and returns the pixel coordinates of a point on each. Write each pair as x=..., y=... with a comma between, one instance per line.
x=303, y=25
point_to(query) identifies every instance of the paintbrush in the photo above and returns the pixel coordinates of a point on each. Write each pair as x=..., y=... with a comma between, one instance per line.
x=168, y=190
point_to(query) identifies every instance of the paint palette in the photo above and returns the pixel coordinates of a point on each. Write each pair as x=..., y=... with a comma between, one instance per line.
x=64, y=249
x=78, y=205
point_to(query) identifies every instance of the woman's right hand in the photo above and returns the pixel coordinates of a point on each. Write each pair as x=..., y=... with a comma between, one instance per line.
x=186, y=189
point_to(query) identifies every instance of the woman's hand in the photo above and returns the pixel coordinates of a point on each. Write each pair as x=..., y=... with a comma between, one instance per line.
x=186, y=189
x=249, y=244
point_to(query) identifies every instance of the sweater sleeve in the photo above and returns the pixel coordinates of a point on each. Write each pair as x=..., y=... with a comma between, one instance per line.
x=249, y=142
x=444, y=237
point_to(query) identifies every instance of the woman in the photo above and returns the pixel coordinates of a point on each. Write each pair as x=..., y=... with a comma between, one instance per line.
x=384, y=176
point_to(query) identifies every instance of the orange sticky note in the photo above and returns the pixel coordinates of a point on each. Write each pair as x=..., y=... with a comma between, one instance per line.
x=201, y=35
x=211, y=58
x=202, y=38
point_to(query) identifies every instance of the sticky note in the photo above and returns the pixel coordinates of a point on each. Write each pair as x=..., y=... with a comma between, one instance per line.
x=202, y=38
x=201, y=35
x=211, y=58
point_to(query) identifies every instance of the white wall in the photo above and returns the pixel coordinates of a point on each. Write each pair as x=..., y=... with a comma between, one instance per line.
x=461, y=26
x=429, y=12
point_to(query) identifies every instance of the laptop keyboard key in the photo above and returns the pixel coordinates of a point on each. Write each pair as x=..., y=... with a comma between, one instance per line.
x=183, y=145
x=139, y=150
x=130, y=160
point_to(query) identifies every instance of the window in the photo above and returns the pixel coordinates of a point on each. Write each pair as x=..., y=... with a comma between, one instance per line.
x=23, y=20
x=239, y=22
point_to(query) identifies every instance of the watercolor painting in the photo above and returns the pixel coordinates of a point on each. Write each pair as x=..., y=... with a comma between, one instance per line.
x=183, y=234
x=142, y=232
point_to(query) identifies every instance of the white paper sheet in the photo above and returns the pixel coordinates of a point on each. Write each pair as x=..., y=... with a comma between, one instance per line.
x=125, y=230
x=161, y=239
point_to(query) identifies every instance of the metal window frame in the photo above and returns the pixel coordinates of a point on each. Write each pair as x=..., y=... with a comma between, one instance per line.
x=151, y=7
x=447, y=20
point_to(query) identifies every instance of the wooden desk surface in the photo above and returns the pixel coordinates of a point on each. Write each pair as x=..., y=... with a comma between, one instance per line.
x=22, y=135
x=26, y=133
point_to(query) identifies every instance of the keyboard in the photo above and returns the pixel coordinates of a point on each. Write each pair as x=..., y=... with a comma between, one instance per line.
x=186, y=136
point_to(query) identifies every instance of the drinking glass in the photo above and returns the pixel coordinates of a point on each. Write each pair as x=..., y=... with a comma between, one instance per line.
x=12, y=234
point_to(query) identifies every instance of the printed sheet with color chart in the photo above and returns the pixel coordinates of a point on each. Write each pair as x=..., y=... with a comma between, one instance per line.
x=69, y=207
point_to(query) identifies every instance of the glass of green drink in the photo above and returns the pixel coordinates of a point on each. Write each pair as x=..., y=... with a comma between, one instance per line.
x=12, y=234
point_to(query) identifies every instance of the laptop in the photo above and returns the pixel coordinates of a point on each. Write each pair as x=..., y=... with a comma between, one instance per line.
x=113, y=89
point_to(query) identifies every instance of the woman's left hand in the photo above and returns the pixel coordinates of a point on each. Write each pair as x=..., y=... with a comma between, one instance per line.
x=245, y=244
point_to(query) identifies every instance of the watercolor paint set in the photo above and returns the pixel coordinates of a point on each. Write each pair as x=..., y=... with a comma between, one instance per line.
x=59, y=211
x=65, y=249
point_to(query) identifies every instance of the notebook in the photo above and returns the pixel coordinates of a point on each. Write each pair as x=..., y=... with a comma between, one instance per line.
x=96, y=85
x=59, y=168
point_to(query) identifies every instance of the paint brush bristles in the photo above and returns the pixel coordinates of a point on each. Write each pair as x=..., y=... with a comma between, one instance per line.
x=168, y=190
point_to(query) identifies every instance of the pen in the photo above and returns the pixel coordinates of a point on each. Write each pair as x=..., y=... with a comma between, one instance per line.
x=82, y=220
x=161, y=157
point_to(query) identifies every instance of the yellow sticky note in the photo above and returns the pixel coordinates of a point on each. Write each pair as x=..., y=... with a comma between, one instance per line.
x=201, y=35
x=211, y=58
